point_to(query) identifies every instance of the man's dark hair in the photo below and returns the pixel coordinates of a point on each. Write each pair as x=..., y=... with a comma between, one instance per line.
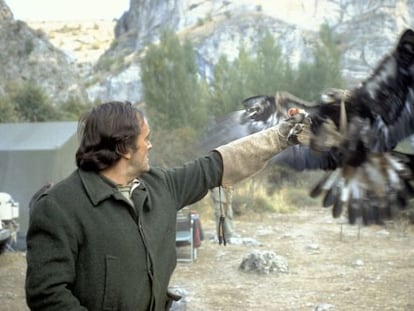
x=107, y=131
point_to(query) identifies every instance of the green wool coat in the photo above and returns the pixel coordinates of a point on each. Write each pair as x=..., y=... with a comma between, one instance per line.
x=89, y=249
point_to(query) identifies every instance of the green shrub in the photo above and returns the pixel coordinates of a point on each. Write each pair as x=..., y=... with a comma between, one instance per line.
x=7, y=112
x=31, y=103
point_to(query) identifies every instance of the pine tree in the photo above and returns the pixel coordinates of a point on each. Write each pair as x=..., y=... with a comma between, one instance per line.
x=324, y=72
x=172, y=91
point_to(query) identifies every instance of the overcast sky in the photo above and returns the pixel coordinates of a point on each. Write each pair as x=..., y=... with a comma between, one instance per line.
x=67, y=9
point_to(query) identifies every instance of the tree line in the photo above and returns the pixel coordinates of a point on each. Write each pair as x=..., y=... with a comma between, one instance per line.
x=177, y=96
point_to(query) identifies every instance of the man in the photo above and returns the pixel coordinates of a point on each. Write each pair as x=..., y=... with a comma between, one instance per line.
x=38, y=194
x=104, y=238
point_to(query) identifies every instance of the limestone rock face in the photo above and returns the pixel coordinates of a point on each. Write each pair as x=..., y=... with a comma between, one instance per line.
x=367, y=30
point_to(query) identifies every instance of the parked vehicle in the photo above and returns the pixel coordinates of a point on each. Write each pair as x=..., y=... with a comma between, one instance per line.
x=9, y=226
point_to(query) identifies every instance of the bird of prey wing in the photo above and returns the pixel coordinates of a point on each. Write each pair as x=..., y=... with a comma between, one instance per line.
x=259, y=113
x=300, y=158
x=264, y=111
x=225, y=130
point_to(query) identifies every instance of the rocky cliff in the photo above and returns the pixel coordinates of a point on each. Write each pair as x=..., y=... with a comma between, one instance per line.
x=366, y=31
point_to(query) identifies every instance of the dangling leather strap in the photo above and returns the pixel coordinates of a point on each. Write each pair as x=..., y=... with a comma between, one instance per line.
x=221, y=232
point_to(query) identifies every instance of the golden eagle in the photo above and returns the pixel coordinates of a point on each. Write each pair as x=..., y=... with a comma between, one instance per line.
x=363, y=126
x=354, y=136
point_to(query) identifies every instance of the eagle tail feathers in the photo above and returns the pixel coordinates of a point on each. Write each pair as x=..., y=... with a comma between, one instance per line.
x=371, y=193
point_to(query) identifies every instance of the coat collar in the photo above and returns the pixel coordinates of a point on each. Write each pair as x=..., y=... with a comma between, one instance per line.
x=99, y=188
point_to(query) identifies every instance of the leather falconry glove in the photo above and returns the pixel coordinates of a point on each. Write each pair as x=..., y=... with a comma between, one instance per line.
x=246, y=156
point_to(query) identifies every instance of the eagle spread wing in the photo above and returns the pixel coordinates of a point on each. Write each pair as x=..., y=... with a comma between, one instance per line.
x=261, y=112
x=225, y=130
x=265, y=111
x=363, y=126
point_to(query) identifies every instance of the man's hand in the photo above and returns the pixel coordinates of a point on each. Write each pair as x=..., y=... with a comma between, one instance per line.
x=296, y=128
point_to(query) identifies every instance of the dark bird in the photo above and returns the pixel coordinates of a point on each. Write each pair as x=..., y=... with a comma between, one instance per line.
x=355, y=133
x=363, y=126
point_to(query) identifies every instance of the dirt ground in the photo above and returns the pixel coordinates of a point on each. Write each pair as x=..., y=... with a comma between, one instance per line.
x=367, y=269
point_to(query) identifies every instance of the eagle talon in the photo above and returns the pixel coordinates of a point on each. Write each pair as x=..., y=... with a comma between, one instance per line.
x=292, y=136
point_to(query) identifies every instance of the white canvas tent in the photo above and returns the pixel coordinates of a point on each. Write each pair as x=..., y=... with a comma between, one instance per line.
x=31, y=155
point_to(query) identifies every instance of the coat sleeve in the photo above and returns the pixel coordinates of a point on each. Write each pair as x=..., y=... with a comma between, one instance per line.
x=190, y=183
x=229, y=164
x=50, y=259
